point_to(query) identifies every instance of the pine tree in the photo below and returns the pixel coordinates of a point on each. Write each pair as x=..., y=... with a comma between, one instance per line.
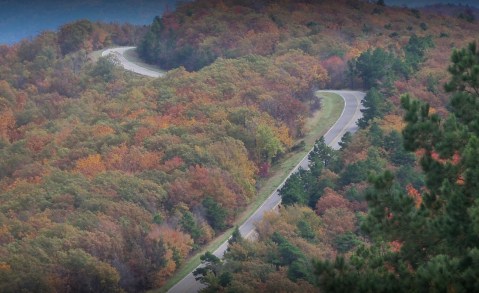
x=375, y=106
x=437, y=230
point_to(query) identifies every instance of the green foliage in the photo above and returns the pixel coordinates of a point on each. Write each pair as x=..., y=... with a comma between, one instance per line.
x=211, y=273
x=345, y=140
x=376, y=135
x=393, y=144
x=303, y=187
x=465, y=85
x=210, y=266
x=435, y=229
x=215, y=214
x=378, y=66
x=345, y=242
x=158, y=219
x=72, y=36
x=105, y=178
x=90, y=275
x=267, y=143
x=105, y=69
x=359, y=171
x=189, y=225
x=323, y=156
x=415, y=50
x=236, y=236
x=300, y=269
x=293, y=191
x=305, y=230
x=375, y=106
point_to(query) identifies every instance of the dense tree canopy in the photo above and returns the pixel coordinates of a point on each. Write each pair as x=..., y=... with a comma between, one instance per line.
x=432, y=234
x=110, y=181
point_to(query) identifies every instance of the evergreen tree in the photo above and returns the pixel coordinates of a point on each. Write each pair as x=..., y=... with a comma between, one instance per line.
x=393, y=143
x=436, y=230
x=215, y=214
x=293, y=191
x=189, y=225
x=415, y=50
x=377, y=67
x=375, y=106
x=236, y=236
x=345, y=140
x=323, y=155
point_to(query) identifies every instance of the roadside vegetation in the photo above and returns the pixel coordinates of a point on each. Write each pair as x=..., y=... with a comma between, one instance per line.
x=110, y=182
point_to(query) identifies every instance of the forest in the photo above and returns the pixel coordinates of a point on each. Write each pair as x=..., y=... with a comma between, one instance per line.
x=110, y=181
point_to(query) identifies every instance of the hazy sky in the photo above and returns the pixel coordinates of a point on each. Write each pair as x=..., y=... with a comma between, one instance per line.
x=25, y=18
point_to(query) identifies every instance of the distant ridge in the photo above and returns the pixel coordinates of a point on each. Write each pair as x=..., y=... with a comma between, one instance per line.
x=455, y=10
x=27, y=18
x=423, y=3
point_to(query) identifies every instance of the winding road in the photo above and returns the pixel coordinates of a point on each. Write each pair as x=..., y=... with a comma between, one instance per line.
x=137, y=67
x=346, y=123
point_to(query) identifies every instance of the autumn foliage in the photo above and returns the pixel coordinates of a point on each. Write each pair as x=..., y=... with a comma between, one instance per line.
x=109, y=181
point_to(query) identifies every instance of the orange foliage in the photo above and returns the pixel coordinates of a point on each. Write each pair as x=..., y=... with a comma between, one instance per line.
x=102, y=130
x=7, y=123
x=232, y=155
x=174, y=239
x=357, y=149
x=392, y=122
x=5, y=235
x=90, y=166
x=141, y=134
x=456, y=158
x=395, y=246
x=415, y=195
x=330, y=199
x=339, y=220
x=172, y=164
x=167, y=270
x=37, y=141
x=201, y=182
x=132, y=159
x=4, y=266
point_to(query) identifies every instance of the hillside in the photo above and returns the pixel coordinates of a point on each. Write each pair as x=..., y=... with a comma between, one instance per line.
x=388, y=52
x=109, y=181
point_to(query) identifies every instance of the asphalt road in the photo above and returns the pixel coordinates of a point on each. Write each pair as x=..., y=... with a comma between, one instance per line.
x=346, y=123
x=119, y=53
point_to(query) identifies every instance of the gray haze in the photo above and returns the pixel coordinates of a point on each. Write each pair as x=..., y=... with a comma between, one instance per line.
x=417, y=3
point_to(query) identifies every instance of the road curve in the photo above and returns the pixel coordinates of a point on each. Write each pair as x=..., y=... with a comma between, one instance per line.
x=346, y=123
x=119, y=53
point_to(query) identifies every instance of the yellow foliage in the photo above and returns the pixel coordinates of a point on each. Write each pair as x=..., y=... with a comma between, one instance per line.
x=283, y=134
x=102, y=130
x=7, y=122
x=90, y=166
x=392, y=122
x=4, y=266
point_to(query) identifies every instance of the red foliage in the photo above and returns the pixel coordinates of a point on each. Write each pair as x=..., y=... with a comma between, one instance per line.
x=415, y=195
x=331, y=199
